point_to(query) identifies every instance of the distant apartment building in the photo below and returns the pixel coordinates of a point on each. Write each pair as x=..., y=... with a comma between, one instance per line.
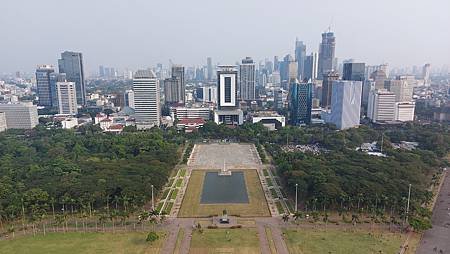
x=345, y=104
x=20, y=116
x=67, y=98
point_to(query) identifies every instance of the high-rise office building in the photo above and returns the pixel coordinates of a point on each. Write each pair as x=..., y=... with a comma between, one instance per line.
x=354, y=71
x=327, y=53
x=43, y=85
x=178, y=73
x=228, y=111
x=71, y=63
x=288, y=71
x=247, y=77
x=276, y=64
x=426, y=73
x=311, y=67
x=146, y=99
x=129, y=98
x=300, y=56
x=401, y=88
x=300, y=103
x=327, y=88
x=345, y=104
x=54, y=79
x=101, y=71
x=175, y=87
x=379, y=77
x=381, y=106
x=209, y=68
x=67, y=98
x=20, y=116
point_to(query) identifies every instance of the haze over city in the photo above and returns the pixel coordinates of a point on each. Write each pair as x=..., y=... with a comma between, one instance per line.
x=134, y=34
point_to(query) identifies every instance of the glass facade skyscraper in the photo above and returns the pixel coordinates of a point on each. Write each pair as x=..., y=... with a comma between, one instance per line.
x=71, y=63
x=300, y=103
x=43, y=85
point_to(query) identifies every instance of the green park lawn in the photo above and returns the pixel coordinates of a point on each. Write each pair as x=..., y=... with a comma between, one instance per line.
x=335, y=241
x=232, y=241
x=83, y=243
x=191, y=206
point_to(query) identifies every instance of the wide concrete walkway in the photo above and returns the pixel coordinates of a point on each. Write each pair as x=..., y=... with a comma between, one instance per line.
x=437, y=239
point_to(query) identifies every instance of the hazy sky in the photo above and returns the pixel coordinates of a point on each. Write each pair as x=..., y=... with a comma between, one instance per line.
x=141, y=33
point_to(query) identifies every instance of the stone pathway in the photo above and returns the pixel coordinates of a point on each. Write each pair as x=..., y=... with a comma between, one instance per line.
x=169, y=244
x=280, y=245
x=263, y=241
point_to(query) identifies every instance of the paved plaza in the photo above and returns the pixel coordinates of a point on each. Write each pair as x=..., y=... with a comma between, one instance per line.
x=235, y=156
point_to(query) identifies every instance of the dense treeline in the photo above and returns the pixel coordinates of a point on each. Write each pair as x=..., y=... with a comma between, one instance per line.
x=344, y=179
x=43, y=170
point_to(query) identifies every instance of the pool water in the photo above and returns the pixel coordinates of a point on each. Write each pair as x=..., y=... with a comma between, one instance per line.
x=224, y=189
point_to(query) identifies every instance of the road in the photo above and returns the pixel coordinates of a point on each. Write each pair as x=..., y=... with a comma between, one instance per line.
x=437, y=239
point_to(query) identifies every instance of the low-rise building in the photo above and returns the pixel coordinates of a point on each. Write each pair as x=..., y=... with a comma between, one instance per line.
x=20, y=115
x=270, y=119
x=190, y=124
x=178, y=113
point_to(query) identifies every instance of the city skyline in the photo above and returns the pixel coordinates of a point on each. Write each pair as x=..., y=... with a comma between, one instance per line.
x=273, y=32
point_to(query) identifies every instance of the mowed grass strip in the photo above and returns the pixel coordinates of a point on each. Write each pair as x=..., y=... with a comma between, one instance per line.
x=340, y=241
x=82, y=243
x=180, y=236
x=236, y=241
x=257, y=205
x=269, y=236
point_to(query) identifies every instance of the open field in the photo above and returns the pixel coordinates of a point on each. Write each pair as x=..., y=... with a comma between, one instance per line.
x=340, y=241
x=191, y=206
x=232, y=241
x=84, y=243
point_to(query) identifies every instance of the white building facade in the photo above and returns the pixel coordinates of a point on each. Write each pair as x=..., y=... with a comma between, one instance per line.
x=146, y=99
x=381, y=106
x=67, y=98
x=345, y=104
x=20, y=116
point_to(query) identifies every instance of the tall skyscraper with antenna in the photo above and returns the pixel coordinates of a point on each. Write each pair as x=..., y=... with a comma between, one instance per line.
x=327, y=53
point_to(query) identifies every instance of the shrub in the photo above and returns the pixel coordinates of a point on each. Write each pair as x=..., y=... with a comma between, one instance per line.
x=152, y=236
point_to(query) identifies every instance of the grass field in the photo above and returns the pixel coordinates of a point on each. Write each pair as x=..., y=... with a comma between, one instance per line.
x=318, y=241
x=84, y=243
x=191, y=206
x=230, y=241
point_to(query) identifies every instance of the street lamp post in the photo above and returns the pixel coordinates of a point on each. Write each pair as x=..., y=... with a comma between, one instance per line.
x=153, y=201
x=407, y=206
x=296, y=197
